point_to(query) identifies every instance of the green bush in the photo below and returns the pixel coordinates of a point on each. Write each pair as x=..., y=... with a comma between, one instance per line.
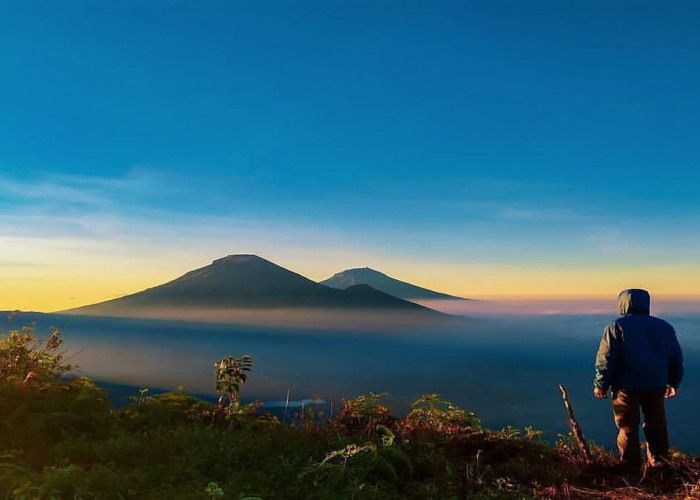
x=24, y=358
x=36, y=417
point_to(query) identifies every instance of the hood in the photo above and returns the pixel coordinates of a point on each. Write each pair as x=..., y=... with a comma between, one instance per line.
x=633, y=301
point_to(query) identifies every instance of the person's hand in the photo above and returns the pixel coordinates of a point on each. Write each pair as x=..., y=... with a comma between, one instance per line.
x=671, y=392
x=600, y=393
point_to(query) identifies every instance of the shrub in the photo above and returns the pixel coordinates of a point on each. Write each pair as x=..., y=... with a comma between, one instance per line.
x=431, y=413
x=24, y=358
x=363, y=413
x=36, y=417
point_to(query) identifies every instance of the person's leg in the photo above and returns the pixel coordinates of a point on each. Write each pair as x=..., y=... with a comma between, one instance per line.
x=654, y=427
x=626, y=413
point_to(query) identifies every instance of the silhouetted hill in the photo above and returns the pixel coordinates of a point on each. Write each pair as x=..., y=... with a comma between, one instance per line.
x=248, y=282
x=382, y=282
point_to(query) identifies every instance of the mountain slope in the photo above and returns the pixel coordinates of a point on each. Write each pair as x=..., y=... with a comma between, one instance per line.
x=249, y=282
x=382, y=282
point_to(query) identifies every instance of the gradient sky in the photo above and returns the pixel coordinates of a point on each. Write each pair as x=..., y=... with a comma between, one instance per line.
x=492, y=148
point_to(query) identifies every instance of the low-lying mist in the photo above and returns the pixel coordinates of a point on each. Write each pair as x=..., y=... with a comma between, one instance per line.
x=349, y=320
x=506, y=369
x=511, y=306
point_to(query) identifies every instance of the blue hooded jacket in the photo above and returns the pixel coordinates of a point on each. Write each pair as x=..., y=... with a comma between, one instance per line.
x=638, y=352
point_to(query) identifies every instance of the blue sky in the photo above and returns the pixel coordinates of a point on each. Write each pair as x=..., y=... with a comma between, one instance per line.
x=470, y=145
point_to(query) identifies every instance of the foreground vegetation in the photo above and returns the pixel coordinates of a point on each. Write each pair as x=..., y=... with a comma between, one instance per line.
x=61, y=438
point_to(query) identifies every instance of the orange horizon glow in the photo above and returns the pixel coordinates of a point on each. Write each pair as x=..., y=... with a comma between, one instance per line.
x=64, y=286
x=68, y=274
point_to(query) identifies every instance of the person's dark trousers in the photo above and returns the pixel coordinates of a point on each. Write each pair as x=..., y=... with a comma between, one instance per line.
x=626, y=405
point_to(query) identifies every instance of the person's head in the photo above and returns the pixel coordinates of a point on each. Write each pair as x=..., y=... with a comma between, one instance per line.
x=633, y=301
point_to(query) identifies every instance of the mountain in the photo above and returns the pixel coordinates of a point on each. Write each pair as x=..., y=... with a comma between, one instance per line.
x=248, y=282
x=382, y=282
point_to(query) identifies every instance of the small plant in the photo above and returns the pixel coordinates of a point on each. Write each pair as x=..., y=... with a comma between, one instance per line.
x=387, y=436
x=509, y=432
x=475, y=472
x=143, y=398
x=333, y=468
x=432, y=412
x=363, y=413
x=214, y=490
x=367, y=405
x=341, y=457
x=231, y=374
x=565, y=441
x=533, y=434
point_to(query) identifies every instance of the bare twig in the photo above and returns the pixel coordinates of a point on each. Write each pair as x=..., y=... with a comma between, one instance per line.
x=575, y=427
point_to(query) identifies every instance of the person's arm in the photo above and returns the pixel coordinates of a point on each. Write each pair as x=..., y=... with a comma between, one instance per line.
x=606, y=361
x=675, y=367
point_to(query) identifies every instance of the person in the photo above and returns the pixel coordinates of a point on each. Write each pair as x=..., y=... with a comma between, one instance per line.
x=640, y=359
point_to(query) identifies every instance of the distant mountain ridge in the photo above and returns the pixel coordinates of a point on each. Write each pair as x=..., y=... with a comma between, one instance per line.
x=383, y=283
x=246, y=281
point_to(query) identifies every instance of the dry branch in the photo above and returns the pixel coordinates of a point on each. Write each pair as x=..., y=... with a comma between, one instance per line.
x=575, y=427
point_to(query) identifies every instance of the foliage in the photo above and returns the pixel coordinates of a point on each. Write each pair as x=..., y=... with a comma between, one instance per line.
x=529, y=433
x=363, y=414
x=214, y=490
x=366, y=469
x=343, y=455
x=166, y=408
x=231, y=374
x=61, y=439
x=24, y=358
x=366, y=406
x=36, y=418
x=431, y=412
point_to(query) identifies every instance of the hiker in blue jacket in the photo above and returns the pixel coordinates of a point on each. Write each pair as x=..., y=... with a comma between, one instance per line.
x=640, y=359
